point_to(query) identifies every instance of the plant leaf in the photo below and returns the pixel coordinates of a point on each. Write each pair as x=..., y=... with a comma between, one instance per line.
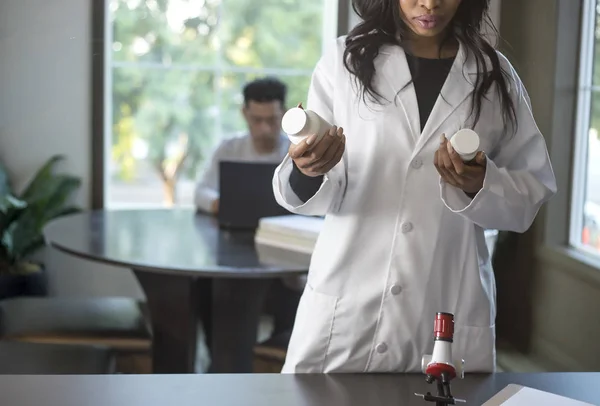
x=54, y=192
x=10, y=208
x=7, y=245
x=55, y=203
x=18, y=235
x=44, y=199
x=39, y=182
x=10, y=202
x=24, y=232
x=29, y=247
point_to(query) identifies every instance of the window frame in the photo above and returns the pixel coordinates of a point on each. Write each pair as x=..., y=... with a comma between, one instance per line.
x=100, y=88
x=585, y=91
x=99, y=30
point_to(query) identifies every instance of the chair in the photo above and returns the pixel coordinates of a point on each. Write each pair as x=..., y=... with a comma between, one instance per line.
x=20, y=358
x=113, y=322
x=269, y=355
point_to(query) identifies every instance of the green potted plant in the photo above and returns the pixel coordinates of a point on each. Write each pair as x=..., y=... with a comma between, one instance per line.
x=22, y=219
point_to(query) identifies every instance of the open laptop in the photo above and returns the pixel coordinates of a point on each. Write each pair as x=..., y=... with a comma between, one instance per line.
x=246, y=194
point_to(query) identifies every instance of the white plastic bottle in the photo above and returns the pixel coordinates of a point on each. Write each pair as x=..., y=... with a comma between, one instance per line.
x=299, y=123
x=466, y=143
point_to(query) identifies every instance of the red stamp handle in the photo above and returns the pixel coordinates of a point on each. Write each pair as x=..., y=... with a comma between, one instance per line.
x=443, y=327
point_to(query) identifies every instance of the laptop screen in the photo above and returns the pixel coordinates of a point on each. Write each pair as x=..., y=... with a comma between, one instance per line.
x=246, y=194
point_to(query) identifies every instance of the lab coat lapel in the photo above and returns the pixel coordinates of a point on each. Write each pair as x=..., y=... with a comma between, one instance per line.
x=398, y=87
x=458, y=86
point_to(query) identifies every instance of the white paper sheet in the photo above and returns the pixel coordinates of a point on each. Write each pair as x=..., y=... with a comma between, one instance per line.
x=524, y=396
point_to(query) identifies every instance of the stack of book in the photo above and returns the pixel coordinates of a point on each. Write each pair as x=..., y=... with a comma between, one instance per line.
x=287, y=239
x=291, y=239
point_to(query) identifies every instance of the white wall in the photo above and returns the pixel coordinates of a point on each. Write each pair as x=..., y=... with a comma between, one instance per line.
x=495, y=16
x=495, y=11
x=45, y=110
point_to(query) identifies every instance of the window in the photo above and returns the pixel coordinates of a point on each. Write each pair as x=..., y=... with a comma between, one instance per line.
x=174, y=71
x=585, y=202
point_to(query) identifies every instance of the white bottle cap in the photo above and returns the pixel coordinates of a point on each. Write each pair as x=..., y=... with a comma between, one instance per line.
x=294, y=121
x=466, y=143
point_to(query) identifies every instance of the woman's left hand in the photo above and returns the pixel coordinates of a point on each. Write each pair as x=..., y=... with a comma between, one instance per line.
x=468, y=176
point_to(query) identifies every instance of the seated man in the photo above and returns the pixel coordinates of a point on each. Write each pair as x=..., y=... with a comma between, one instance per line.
x=263, y=109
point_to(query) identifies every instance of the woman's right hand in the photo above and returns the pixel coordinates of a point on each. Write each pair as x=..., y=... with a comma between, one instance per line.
x=315, y=159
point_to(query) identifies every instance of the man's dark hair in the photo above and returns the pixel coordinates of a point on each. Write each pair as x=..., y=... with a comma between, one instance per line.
x=265, y=90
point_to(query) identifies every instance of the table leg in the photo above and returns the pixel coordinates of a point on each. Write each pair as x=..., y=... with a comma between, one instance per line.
x=204, y=288
x=172, y=304
x=236, y=308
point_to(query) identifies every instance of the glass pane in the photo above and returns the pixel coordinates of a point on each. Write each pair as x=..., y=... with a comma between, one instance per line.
x=231, y=118
x=179, y=67
x=163, y=121
x=591, y=223
x=165, y=31
x=596, y=67
x=276, y=34
x=297, y=89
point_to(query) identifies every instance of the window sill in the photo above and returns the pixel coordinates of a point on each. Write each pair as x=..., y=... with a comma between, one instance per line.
x=572, y=261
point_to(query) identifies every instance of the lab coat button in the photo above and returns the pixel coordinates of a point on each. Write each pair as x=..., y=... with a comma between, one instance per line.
x=381, y=348
x=407, y=227
x=417, y=163
x=396, y=289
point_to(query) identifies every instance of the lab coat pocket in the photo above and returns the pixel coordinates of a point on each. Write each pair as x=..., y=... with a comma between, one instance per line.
x=476, y=346
x=310, y=341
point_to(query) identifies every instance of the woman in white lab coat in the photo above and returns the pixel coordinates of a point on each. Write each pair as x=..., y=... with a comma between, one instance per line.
x=403, y=235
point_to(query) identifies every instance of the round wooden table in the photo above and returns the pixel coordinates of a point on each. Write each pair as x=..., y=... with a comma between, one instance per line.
x=188, y=268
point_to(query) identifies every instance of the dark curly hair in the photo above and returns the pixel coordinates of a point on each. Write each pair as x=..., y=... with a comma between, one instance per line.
x=382, y=24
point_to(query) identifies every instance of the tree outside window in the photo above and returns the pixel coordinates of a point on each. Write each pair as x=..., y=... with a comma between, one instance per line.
x=176, y=71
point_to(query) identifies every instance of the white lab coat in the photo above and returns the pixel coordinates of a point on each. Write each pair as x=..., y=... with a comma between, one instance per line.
x=398, y=244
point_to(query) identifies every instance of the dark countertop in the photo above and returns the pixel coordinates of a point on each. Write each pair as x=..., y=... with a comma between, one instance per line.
x=274, y=389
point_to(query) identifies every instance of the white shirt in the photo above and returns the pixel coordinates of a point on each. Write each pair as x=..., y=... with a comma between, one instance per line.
x=240, y=148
